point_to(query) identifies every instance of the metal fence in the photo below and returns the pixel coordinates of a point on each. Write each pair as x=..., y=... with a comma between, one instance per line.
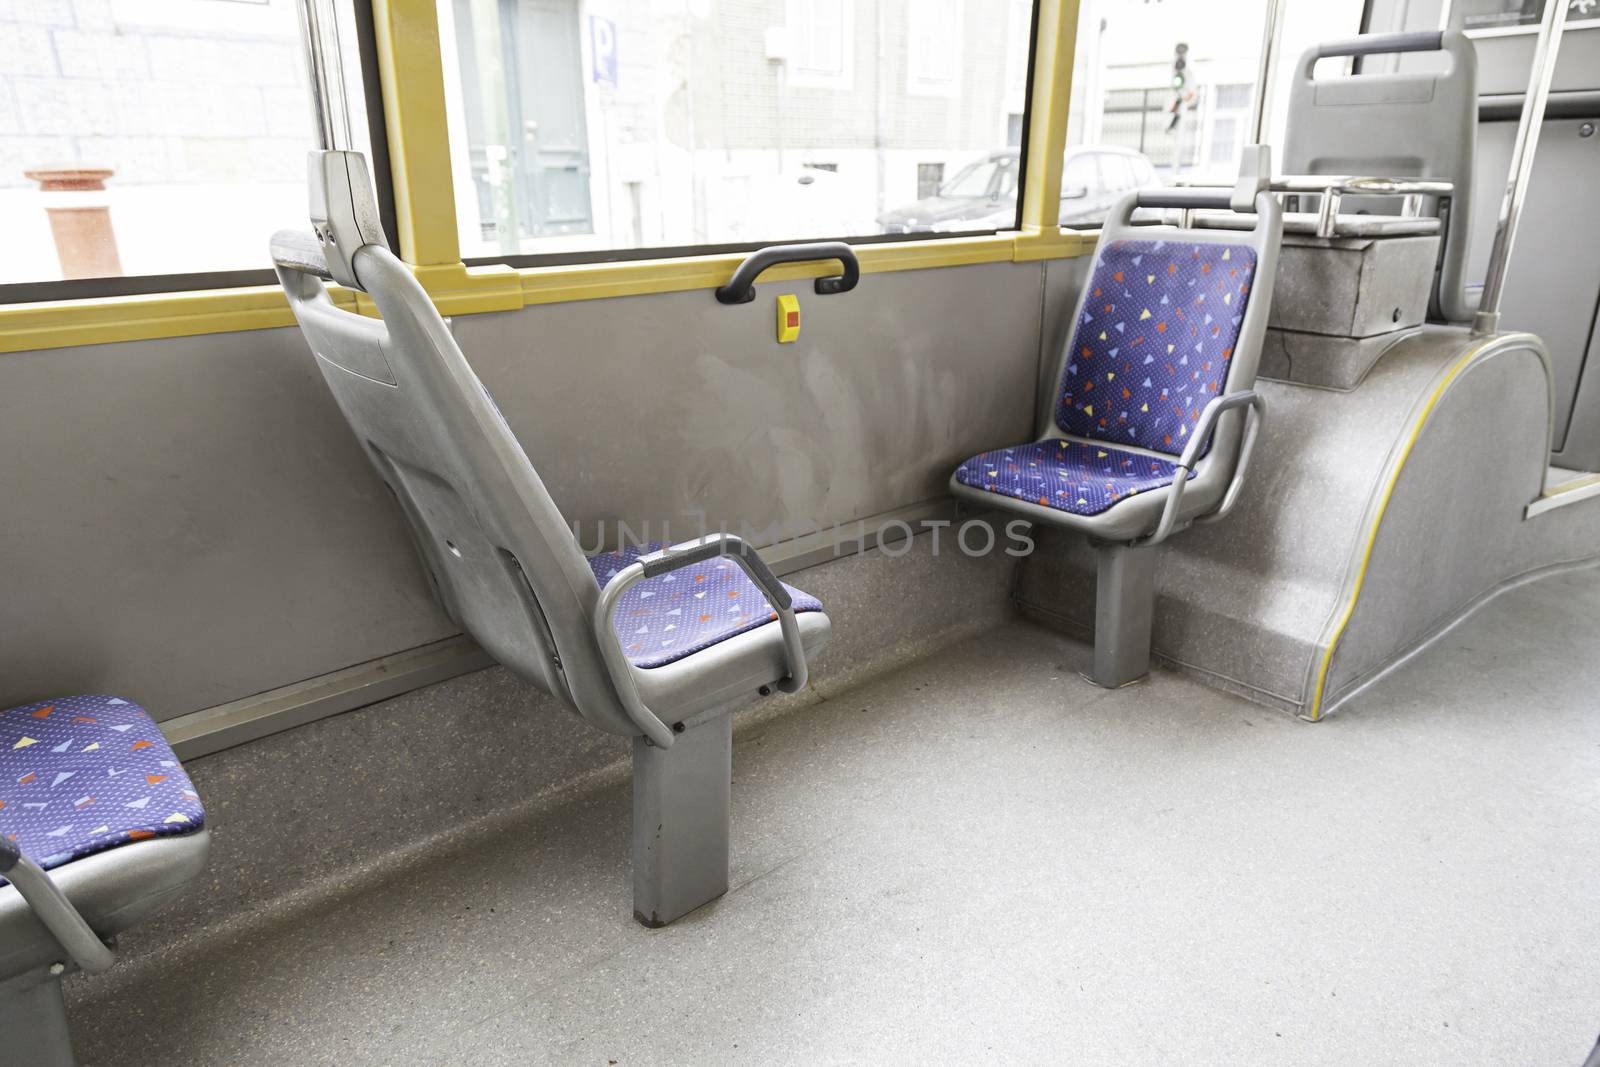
x=1142, y=119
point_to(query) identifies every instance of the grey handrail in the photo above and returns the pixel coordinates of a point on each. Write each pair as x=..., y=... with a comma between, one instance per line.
x=1523, y=150
x=319, y=30
x=1187, y=197
x=54, y=910
x=1378, y=44
x=1332, y=188
x=675, y=558
x=1203, y=429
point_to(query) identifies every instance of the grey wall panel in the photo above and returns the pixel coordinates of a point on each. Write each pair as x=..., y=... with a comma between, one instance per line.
x=1504, y=62
x=1581, y=449
x=189, y=521
x=1454, y=527
x=642, y=408
x=1554, y=281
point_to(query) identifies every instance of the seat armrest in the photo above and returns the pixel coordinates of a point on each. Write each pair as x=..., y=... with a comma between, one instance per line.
x=54, y=911
x=674, y=558
x=1198, y=440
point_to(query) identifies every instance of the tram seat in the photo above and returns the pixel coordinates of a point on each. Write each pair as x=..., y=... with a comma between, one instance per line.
x=649, y=643
x=1428, y=129
x=90, y=792
x=1155, y=417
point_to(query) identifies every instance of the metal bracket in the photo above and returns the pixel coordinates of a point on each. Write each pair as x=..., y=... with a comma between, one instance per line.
x=53, y=910
x=1203, y=429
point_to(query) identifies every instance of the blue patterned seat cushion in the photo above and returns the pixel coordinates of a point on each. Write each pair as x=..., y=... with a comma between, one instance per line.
x=673, y=615
x=83, y=774
x=1073, y=476
x=1155, y=340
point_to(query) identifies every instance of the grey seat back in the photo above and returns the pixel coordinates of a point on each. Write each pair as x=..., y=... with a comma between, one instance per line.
x=1421, y=124
x=503, y=561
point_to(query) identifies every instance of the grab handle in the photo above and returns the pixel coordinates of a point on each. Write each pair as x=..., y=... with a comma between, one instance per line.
x=1378, y=44
x=741, y=288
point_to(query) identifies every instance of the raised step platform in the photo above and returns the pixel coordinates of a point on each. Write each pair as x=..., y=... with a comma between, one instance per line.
x=1374, y=519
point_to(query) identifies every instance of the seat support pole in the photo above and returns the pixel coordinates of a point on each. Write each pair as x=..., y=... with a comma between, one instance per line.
x=33, y=1020
x=681, y=819
x=1124, y=602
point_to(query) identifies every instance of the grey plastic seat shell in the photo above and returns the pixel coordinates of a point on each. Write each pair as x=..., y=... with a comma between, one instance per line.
x=113, y=890
x=1416, y=125
x=1137, y=516
x=503, y=561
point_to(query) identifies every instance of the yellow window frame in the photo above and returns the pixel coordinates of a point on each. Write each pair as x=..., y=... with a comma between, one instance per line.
x=411, y=73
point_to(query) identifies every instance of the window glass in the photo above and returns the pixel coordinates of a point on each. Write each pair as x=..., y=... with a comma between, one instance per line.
x=1176, y=82
x=593, y=126
x=153, y=137
x=1506, y=14
x=1117, y=172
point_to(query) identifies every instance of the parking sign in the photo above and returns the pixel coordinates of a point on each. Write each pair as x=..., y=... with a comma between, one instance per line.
x=603, y=43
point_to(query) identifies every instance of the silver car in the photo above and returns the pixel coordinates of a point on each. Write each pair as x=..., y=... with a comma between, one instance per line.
x=983, y=194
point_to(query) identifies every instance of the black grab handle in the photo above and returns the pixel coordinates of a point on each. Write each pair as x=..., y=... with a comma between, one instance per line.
x=741, y=288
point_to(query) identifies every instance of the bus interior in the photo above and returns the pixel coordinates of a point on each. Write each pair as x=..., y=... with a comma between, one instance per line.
x=846, y=531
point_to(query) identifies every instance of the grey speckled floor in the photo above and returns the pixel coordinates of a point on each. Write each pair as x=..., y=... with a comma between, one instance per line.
x=981, y=858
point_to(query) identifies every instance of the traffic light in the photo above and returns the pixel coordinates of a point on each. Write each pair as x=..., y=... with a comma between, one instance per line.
x=1180, y=63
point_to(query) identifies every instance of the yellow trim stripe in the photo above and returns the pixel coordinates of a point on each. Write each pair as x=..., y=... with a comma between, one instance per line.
x=64, y=324
x=460, y=290
x=1047, y=130
x=411, y=73
x=1377, y=521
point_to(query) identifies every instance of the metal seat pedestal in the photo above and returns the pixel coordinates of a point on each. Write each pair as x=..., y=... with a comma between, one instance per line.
x=681, y=821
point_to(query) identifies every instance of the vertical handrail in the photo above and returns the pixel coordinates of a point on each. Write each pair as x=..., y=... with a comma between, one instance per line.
x=330, y=112
x=1271, y=35
x=1523, y=150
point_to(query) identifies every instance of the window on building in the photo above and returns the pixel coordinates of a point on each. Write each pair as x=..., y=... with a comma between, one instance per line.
x=669, y=124
x=933, y=48
x=819, y=36
x=150, y=145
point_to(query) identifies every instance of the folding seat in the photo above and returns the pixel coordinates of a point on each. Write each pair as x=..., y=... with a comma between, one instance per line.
x=1429, y=130
x=91, y=793
x=1155, y=417
x=657, y=644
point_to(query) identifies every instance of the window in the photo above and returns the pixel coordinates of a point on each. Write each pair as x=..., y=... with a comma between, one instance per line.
x=588, y=132
x=1117, y=172
x=144, y=142
x=819, y=38
x=933, y=54
x=1188, y=121
x=1079, y=178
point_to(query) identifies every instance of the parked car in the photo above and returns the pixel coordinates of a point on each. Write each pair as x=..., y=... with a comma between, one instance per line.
x=983, y=194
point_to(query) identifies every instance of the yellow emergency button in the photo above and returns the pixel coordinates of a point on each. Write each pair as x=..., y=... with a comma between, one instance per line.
x=788, y=318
